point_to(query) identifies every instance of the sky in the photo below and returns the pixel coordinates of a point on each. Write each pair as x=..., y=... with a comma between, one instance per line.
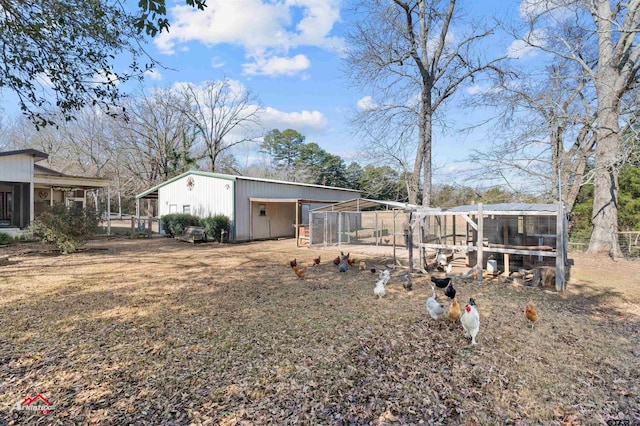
x=288, y=53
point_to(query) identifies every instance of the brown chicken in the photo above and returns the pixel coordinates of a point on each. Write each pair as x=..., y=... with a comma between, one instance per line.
x=300, y=272
x=454, y=311
x=316, y=261
x=337, y=261
x=293, y=263
x=531, y=313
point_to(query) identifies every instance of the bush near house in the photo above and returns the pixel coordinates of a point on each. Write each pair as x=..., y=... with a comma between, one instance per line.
x=214, y=225
x=174, y=223
x=65, y=227
x=5, y=238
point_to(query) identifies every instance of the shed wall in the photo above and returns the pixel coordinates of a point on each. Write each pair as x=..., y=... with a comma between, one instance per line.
x=208, y=196
x=16, y=168
x=246, y=189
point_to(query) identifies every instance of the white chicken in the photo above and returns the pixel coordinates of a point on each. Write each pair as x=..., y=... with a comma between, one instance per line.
x=434, y=308
x=448, y=269
x=470, y=320
x=379, y=290
x=385, y=276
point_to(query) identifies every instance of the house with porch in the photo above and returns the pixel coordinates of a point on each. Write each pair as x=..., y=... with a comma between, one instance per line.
x=27, y=189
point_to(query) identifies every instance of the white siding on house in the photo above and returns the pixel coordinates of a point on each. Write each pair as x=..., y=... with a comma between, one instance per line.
x=16, y=168
x=246, y=189
x=207, y=197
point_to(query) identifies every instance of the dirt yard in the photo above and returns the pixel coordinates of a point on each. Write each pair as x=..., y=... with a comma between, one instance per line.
x=163, y=332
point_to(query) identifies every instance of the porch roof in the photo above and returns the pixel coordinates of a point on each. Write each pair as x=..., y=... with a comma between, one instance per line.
x=69, y=182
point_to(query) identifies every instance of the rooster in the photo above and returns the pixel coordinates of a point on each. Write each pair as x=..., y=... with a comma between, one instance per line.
x=470, y=320
x=434, y=308
x=300, y=272
x=441, y=282
x=454, y=311
x=531, y=313
x=293, y=263
x=450, y=291
x=316, y=261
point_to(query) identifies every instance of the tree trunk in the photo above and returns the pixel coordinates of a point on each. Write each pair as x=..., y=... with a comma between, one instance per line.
x=604, y=219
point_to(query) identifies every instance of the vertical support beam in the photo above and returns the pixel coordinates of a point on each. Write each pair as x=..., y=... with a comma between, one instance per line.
x=560, y=249
x=423, y=250
x=297, y=207
x=108, y=211
x=454, y=219
x=395, y=214
x=51, y=197
x=310, y=227
x=479, y=243
x=376, y=231
x=339, y=229
x=410, y=243
x=505, y=239
x=326, y=218
x=250, y=220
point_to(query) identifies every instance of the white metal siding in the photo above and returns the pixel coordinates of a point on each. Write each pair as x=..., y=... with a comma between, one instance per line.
x=16, y=168
x=246, y=189
x=209, y=196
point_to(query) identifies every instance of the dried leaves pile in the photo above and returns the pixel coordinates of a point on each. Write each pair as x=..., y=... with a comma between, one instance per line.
x=163, y=332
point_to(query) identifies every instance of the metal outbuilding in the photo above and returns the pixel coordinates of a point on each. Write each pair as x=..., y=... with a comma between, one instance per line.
x=258, y=208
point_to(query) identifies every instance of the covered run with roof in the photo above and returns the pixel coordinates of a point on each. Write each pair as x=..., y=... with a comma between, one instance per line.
x=258, y=208
x=515, y=235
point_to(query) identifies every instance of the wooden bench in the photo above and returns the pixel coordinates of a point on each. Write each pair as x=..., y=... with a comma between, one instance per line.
x=192, y=234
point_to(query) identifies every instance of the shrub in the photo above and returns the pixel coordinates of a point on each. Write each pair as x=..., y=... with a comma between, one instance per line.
x=175, y=223
x=65, y=227
x=214, y=225
x=5, y=238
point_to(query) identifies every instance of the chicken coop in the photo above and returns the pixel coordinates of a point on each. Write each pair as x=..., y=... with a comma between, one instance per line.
x=501, y=237
x=370, y=225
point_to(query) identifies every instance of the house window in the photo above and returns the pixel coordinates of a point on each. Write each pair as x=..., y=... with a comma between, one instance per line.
x=186, y=209
x=173, y=208
x=262, y=208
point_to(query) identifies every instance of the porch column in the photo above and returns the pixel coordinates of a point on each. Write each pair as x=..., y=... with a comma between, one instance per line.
x=108, y=211
x=31, y=201
x=51, y=197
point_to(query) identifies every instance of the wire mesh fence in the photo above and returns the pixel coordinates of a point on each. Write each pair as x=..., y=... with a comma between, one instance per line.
x=629, y=243
x=358, y=228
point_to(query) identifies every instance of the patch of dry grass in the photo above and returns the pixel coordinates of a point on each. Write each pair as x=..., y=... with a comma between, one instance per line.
x=163, y=332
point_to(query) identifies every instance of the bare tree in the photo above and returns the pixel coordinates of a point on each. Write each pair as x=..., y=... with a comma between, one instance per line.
x=224, y=115
x=157, y=143
x=613, y=68
x=405, y=52
x=540, y=116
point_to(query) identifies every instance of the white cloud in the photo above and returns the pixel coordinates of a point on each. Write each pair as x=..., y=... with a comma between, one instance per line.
x=266, y=29
x=520, y=49
x=366, y=104
x=475, y=89
x=533, y=9
x=305, y=122
x=217, y=62
x=153, y=74
x=277, y=65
